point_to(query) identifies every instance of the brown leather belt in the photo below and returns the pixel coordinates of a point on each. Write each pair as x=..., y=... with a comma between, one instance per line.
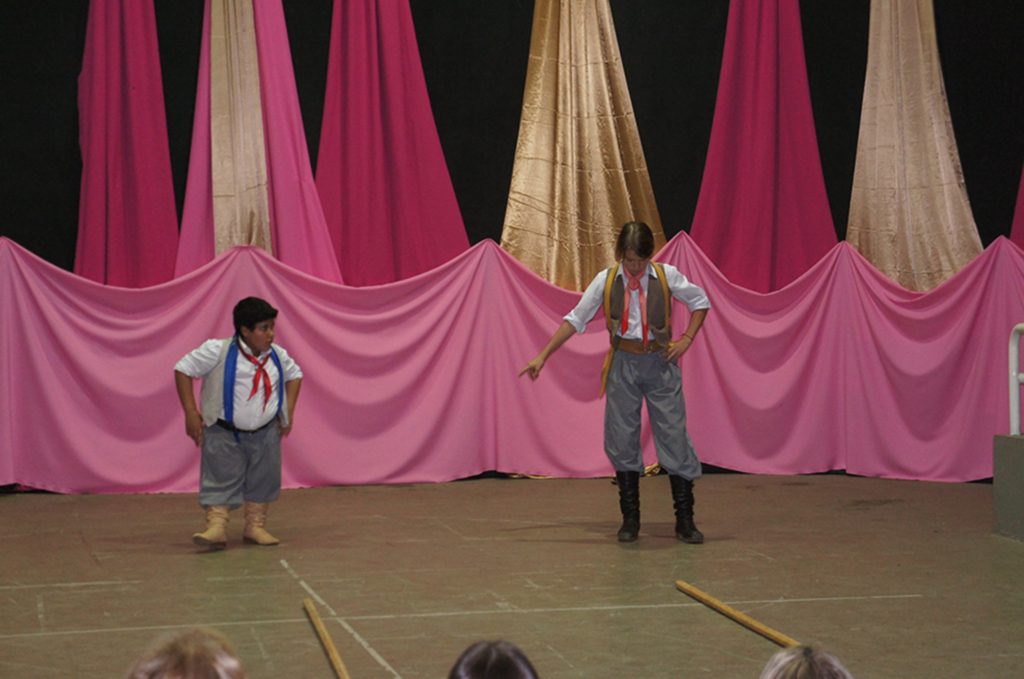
x=639, y=347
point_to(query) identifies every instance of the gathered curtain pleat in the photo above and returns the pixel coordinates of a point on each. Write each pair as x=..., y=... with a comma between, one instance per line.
x=241, y=215
x=909, y=211
x=287, y=205
x=383, y=182
x=297, y=223
x=127, y=223
x=763, y=215
x=196, y=241
x=579, y=171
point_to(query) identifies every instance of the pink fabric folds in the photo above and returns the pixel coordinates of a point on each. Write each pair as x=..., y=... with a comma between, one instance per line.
x=845, y=369
x=1017, y=230
x=381, y=173
x=763, y=214
x=417, y=380
x=127, y=221
x=413, y=381
x=298, y=229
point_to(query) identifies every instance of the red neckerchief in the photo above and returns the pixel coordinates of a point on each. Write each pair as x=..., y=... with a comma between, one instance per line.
x=634, y=284
x=261, y=371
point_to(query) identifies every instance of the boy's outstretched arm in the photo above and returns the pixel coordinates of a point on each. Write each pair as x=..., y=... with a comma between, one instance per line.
x=193, y=420
x=291, y=390
x=561, y=336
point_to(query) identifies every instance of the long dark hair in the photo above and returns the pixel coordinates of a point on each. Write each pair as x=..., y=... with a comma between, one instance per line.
x=635, y=236
x=492, y=660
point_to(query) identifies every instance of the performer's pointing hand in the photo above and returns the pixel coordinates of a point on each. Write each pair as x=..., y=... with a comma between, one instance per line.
x=533, y=368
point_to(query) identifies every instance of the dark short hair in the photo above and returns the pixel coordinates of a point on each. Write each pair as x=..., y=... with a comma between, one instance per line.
x=492, y=660
x=250, y=311
x=635, y=236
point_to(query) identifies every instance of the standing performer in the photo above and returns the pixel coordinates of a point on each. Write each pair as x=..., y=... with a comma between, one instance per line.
x=641, y=364
x=242, y=399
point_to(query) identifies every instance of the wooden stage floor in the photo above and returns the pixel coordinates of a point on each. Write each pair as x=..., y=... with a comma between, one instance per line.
x=897, y=578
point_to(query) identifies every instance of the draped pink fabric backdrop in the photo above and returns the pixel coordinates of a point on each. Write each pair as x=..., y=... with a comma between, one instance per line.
x=127, y=220
x=844, y=368
x=417, y=380
x=298, y=228
x=381, y=173
x=1017, y=230
x=763, y=214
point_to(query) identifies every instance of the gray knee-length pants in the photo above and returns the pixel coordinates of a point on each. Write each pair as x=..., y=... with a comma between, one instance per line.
x=248, y=468
x=632, y=379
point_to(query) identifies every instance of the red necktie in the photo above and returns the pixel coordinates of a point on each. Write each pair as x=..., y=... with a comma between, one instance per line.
x=634, y=284
x=261, y=371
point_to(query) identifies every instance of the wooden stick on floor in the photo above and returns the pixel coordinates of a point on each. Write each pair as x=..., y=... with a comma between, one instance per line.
x=325, y=639
x=730, y=612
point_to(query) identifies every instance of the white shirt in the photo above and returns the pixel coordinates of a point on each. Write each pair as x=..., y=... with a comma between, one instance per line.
x=593, y=299
x=249, y=414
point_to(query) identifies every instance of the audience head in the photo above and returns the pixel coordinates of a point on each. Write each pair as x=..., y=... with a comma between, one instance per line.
x=196, y=654
x=803, y=662
x=492, y=660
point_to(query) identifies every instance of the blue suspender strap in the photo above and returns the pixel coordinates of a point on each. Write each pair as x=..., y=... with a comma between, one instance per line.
x=230, y=369
x=280, y=380
x=230, y=373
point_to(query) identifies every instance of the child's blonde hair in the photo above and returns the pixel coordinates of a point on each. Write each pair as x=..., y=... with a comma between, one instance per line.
x=196, y=654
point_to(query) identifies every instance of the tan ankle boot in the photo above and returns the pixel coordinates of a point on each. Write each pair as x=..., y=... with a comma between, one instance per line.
x=216, y=533
x=255, y=518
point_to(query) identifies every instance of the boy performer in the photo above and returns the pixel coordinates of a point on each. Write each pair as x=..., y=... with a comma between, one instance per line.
x=247, y=404
x=642, y=364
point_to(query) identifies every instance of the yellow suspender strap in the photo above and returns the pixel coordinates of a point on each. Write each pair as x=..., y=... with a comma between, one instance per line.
x=608, y=319
x=608, y=295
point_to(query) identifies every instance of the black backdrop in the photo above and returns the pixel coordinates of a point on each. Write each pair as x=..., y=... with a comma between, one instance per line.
x=474, y=56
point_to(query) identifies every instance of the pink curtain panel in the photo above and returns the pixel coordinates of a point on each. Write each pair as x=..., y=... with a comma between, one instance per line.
x=383, y=181
x=127, y=220
x=763, y=214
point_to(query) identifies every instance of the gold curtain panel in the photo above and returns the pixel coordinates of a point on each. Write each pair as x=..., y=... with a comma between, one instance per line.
x=241, y=214
x=909, y=212
x=579, y=171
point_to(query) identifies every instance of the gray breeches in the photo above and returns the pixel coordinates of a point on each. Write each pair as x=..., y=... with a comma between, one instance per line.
x=632, y=379
x=248, y=468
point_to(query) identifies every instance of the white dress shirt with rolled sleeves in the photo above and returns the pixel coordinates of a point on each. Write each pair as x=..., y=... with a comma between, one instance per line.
x=249, y=414
x=593, y=299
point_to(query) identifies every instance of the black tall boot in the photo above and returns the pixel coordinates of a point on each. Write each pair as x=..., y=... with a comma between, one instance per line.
x=682, y=497
x=629, y=503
